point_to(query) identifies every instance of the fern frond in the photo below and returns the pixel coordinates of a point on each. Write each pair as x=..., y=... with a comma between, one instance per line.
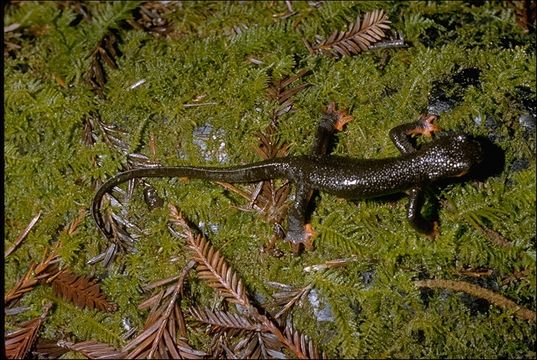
x=116, y=225
x=289, y=297
x=259, y=346
x=223, y=278
x=81, y=290
x=41, y=272
x=220, y=321
x=164, y=330
x=359, y=36
x=93, y=349
x=213, y=268
x=20, y=341
x=303, y=344
x=48, y=349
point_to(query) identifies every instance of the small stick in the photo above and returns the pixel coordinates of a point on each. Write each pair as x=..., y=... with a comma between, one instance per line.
x=23, y=235
x=200, y=104
x=477, y=291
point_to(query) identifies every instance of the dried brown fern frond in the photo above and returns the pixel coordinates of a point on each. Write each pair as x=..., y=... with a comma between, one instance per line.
x=73, y=225
x=105, y=52
x=259, y=345
x=270, y=197
x=80, y=290
x=19, y=342
x=164, y=330
x=268, y=148
x=92, y=349
x=47, y=268
x=288, y=297
x=360, y=35
x=213, y=268
x=47, y=349
x=525, y=14
x=221, y=321
x=121, y=239
x=302, y=344
x=220, y=348
x=280, y=92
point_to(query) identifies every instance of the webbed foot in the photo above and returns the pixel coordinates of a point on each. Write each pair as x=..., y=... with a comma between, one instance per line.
x=435, y=231
x=425, y=126
x=341, y=117
x=302, y=237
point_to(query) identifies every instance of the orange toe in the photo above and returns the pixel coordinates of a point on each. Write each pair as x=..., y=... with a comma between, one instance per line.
x=311, y=234
x=343, y=119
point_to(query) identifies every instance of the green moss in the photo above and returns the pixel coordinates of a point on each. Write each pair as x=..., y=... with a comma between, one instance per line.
x=48, y=167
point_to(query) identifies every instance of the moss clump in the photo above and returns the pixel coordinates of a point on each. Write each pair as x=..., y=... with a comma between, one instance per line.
x=206, y=58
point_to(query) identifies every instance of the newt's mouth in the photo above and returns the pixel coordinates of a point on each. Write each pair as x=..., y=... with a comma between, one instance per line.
x=462, y=173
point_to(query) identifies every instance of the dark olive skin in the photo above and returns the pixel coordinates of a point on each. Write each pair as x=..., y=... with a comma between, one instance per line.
x=445, y=157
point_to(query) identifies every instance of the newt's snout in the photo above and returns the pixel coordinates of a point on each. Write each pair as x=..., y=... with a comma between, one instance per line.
x=471, y=151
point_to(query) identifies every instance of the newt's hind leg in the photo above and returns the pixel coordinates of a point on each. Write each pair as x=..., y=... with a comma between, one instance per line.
x=299, y=231
x=413, y=214
x=400, y=136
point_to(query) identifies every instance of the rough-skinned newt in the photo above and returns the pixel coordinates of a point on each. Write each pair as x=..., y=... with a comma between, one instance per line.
x=443, y=157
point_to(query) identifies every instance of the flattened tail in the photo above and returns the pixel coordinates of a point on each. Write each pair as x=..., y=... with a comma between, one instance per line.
x=264, y=170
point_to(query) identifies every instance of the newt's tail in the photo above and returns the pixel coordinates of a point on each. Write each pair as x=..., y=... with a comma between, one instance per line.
x=264, y=170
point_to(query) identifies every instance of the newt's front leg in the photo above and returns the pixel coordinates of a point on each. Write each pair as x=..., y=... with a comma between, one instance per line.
x=332, y=120
x=400, y=136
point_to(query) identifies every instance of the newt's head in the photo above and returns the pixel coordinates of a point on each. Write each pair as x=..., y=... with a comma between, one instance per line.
x=452, y=156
